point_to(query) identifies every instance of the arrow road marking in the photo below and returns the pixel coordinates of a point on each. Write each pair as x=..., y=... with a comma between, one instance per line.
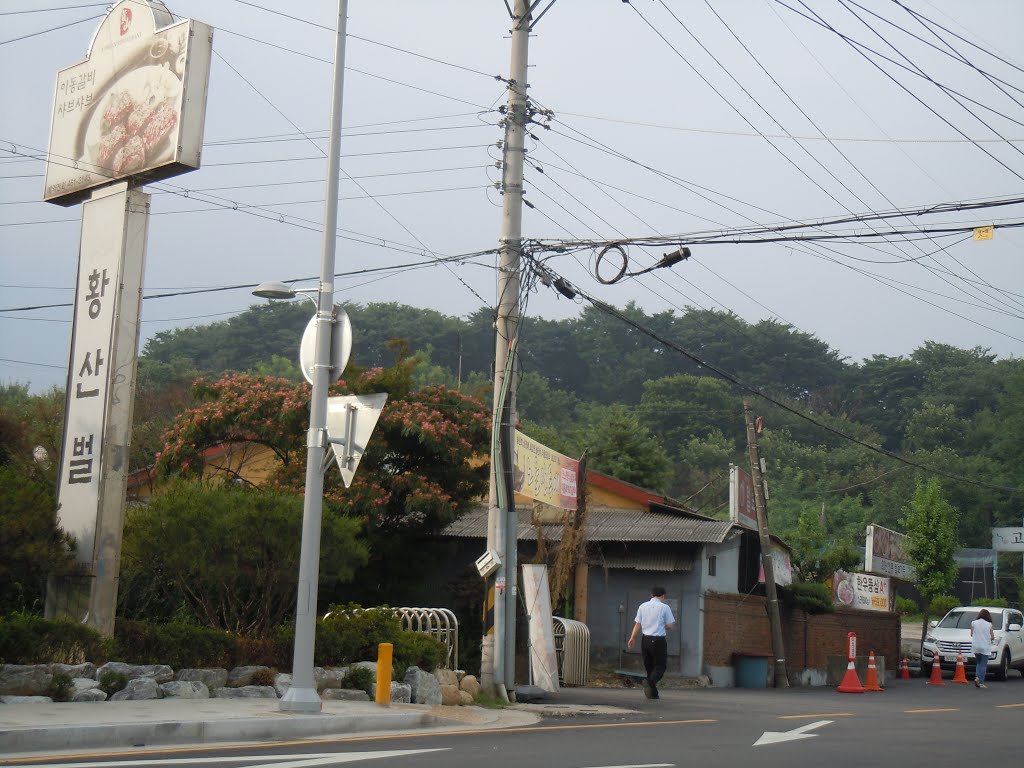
x=257, y=761
x=775, y=737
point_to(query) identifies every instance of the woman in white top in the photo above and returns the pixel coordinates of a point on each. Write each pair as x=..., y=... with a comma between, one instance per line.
x=981, y=645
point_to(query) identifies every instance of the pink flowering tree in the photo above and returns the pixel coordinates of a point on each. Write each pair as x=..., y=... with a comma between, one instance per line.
x=422, y=468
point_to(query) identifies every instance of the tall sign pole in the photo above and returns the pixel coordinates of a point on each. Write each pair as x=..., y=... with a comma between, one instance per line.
x=498, y=653
x=774, y=617
x=302, y=696
x=130, y=113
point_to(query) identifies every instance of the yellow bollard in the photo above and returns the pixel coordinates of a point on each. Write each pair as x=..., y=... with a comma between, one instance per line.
x=384, y=652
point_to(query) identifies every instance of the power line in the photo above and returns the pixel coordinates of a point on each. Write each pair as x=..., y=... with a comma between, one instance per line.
x=51, y=29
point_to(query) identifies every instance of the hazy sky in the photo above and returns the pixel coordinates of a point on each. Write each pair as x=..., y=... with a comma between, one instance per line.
x=670, y=118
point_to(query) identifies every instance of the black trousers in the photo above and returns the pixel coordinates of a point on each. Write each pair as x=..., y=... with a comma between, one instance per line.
x=655, y=652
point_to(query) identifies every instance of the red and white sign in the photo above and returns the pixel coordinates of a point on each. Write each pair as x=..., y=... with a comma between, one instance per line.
x=742, y=509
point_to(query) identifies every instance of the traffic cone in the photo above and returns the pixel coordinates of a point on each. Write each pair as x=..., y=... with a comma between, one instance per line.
x=904, y=670
x=850, y=683
x=960, y=676
x=871, y=681
x=936, y=678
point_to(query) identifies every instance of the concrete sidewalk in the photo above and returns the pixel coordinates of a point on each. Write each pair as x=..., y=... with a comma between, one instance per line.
x=27, y=728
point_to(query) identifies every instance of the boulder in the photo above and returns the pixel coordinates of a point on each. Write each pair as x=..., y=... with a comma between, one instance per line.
x=450, y=695
x=89, y=694
x=446, y=677
x=370, y=665
x=84, y=684
x=400, y=693
x=214, y=677
x=424, y=688
x=88, y=669
x=139, y=689
x=246, y=692
x=185, y=689
x=25, y=700
x=161, y=673
x=24, y=679
x=329, y=677
x=464, y=698
x=240, y=677
x=344, y=694
x=282, y=683
x=470, y=685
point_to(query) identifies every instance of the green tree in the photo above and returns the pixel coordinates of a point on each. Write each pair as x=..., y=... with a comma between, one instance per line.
x=229, y=553
x=931, y=525
x=622, y=447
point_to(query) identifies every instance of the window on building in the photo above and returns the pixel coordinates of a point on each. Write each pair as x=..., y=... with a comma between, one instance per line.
x=712, y=565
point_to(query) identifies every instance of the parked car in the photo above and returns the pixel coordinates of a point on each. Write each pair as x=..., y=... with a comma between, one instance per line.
x=951, y=636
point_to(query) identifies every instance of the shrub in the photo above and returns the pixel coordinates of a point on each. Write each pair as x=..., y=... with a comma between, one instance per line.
x=60, y=687
x=351, y=634
x=177, y=645
x=359, y=678
x=906, y=607
x=995, y=602
x=112, y=682
x=942, y=605
x=27, y=639
x=417, y=649
x=809, y=596
x=264, y=676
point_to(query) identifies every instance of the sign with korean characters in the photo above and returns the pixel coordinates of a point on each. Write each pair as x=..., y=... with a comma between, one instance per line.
x=782, y=565
x=97, y=422
x=134, y=107
x=742, y=509
x=544, y=475
x=884, y=555
x=865, y=591
x=1008, y=539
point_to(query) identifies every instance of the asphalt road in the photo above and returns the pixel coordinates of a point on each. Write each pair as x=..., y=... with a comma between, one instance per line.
x=911, y=724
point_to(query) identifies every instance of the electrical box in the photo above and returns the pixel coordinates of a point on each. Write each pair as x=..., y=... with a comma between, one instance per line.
x=488, y=563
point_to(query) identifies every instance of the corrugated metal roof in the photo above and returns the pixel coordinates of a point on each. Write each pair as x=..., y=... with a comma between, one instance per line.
x=606, y=524
x=665, y=562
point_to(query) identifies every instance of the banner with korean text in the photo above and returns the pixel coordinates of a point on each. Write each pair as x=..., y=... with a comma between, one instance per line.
x=884, y=554
x=544, y=475
x=865, y=591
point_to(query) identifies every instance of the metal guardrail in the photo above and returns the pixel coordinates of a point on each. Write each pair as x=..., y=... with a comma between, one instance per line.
x=438, y=622
x=572, y=649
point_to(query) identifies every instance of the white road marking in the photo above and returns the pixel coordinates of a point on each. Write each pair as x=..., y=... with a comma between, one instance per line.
x=255, y=761
x=775, y=737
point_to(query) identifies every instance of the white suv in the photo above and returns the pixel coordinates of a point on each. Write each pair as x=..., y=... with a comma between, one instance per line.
x=951, y=637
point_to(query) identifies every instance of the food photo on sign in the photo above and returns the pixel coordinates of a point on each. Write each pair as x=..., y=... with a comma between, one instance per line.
x=861, y=590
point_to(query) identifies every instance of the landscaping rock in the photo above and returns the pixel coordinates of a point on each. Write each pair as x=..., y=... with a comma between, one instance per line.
x=89, y=694
x=24, y=679
x=88, y=669
x=79, y=684
x=464, y=698
x=139, y=689
x=240, y=677
x=246, y=692
x=214, y=677
x=161, y=673
x=446, y=677
x=470, y=685
x=185, y=689
x=424, y=688
x=329, y=677
x=282, y=683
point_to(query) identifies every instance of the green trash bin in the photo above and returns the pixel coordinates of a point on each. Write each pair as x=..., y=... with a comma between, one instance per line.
x=751, y=670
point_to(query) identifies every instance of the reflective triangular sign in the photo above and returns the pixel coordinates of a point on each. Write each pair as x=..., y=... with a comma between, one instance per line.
x=350, y=422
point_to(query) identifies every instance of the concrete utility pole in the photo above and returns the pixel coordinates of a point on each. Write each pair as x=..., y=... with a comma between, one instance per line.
x=774, y=618
x=498, y=653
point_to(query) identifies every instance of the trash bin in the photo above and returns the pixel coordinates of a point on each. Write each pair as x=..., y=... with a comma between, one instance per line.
x=751, y=670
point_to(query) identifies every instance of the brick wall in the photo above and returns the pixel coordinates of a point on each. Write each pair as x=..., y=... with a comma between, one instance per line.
x=739, y=624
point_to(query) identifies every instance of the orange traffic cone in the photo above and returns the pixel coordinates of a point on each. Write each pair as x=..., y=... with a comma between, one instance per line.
x=936, y=678
x=960, y=676
x=871, y=680
x=904, y=670
x=850, y=683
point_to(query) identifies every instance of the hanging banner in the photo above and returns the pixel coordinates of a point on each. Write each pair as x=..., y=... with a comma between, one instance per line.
x=544, y=475
x=862, y=590
x=742, y=509
x=782, y=564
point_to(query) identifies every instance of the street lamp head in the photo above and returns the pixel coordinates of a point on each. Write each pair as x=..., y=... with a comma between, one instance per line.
x=275, y=289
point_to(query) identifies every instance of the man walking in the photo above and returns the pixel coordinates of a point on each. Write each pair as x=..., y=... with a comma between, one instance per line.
x=653, y=619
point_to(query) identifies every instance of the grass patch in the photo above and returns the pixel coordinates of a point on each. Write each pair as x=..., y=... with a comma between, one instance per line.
x=487, y=701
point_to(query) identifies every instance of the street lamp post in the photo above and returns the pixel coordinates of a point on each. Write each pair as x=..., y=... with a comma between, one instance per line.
x=302, y=696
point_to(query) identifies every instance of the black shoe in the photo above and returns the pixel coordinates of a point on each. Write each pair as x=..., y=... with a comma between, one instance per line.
x=654, y=692
x=649, y=690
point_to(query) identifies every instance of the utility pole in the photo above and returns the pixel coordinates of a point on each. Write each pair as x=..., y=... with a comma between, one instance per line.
x=774, y=618
x=498, y=652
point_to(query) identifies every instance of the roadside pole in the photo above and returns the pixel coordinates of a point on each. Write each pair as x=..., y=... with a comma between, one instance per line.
x=774, y=618
x=502, y=522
